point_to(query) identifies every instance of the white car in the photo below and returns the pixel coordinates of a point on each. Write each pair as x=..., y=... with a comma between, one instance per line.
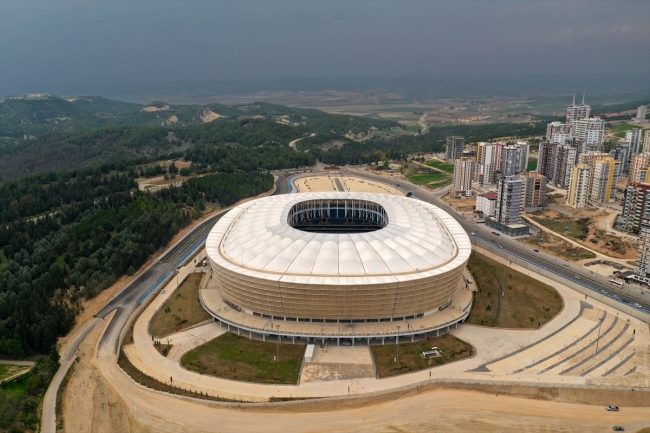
x=162, y=292
x=637, y=305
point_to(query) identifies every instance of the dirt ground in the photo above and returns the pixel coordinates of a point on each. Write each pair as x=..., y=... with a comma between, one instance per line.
x=597, y=239
x=461, y=205
x=89, y=394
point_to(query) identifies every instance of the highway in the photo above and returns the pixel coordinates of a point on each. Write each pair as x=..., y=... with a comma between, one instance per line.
x=512, y=247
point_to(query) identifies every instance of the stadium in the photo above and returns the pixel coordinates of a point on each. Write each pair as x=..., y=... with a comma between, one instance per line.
x=313, y=261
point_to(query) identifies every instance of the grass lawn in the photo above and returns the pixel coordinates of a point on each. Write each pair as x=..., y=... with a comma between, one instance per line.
x=443, y=166
x=410, y=358
x=532, y=165
x=427, y=178
x=181, y=310
x=8, y=370
x=235, y=357
x=526, y=302
x=413, y=128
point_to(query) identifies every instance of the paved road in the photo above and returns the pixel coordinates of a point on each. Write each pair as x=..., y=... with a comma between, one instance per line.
x=511, y=247
x=127, y=301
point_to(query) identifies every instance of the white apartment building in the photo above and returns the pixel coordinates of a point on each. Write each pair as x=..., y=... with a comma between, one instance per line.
x=486, y=156
x=486, y=203
x=577, y=112
x=643, y=248
x=638, y=167
x=558, y=132
x=602, y=175
x=640, y=114
x=464, y=174
x=633, y=136
x=514, y=159
x=578, y=192
x=590, y=131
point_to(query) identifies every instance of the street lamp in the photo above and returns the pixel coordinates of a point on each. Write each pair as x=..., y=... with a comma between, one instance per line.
x=396, y=185
x=278, y=357
x=397, y=344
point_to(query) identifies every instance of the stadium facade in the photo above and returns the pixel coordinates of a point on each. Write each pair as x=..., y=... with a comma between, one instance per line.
x=337, y=257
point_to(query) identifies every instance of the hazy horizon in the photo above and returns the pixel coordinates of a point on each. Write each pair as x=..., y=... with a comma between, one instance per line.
x=216, y=47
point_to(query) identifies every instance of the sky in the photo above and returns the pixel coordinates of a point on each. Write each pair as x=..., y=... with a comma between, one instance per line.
x=99, y=46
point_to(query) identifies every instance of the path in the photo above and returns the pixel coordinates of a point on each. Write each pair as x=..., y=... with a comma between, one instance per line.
x=292, y=144
x=423, y=123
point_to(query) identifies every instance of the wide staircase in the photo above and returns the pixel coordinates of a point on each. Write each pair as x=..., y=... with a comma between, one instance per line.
x=596, y=344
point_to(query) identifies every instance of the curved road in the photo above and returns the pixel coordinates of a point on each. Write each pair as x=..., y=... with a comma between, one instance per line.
x=126, y=302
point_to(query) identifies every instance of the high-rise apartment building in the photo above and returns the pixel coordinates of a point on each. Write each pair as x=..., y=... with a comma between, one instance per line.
x=487, y=157
x=464, y=174
x=633, y=136
x=511, y=192
x=636, y=206
x=544, y=158
x=638, y=167
x=590, y=131
x=578, y=192
x=562, y=159
x=455, y=146
x=602, y=177
x=535, y=192
x=640, y=114
x=622, y=154
x=514, y=159
x=577, y=112
x=558, y=132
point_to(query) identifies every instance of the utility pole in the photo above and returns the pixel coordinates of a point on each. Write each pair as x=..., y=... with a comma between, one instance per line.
x=503, y=283
x=398, y=344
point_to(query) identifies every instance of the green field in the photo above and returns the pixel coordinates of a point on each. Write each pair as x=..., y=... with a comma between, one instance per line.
x=423, y=179
x=622, y=128
x=235, y=357
x=413, y=128
x=8, y=370
x=443, y=166
x=526, y=301
x=410, y=359
x=532, y=165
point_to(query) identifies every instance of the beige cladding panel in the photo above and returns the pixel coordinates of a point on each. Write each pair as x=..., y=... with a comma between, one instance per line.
x=330, y=301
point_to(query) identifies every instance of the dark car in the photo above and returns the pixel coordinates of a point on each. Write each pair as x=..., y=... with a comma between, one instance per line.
x=612, y=408
x=537, y=251
x=494, y=233
x=618, y=428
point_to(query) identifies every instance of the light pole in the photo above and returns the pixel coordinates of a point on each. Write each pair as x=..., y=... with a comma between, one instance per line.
x=396, y=185
x=598, y=339
x=397, y=343
x=278, y=357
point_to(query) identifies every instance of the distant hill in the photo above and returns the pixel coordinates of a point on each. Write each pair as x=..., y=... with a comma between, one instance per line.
x=45, y=133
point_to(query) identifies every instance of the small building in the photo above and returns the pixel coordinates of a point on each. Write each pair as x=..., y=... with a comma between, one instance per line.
x=486, y=203
x=309, y=352
x=513, y=230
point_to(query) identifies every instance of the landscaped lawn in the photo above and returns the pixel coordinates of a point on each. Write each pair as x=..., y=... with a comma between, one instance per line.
x=410, y=359
x=426, y=178
x=443, y=166
x=235, y=357
x=532, y=165
x=526, y=301
x=181, y=310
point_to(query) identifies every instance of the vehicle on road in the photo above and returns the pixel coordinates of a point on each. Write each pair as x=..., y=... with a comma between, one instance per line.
x=618, y=428
x=637, y=305
x=625, y=300
x=537, y=251
x=566, y=265
x=494, y=233
x=616, y=283
x=162, y=292
x=612, y=408
x=577, y=277
x=499, y=245
x=473, y=234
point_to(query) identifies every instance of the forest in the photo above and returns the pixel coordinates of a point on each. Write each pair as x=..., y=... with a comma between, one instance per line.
x=69, y=235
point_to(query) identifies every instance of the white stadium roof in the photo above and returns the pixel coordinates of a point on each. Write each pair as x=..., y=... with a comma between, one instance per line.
x=419, y=240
